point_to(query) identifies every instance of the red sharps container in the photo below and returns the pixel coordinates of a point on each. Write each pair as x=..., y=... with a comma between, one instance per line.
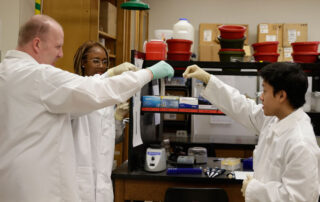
x=156, y=50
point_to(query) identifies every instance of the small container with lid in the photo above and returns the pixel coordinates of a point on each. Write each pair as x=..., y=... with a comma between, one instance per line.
x=156, y=50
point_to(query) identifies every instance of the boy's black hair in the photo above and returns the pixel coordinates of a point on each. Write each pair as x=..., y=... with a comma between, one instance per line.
x=288, y=77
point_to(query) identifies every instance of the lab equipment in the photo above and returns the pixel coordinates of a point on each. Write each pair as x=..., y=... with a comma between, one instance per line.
x=151, y=101
x=214, y=172
x=231, y=164
x=188, y=102
x=218, y=172
x=184, y=171
x=247, y=164
x=169, y=101
x=156, y=159
x=166, y=145
x=156, y=50
x=199, y=153
x=185, y=161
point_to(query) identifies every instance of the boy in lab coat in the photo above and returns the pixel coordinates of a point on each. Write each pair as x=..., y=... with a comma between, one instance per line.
x=286, y=158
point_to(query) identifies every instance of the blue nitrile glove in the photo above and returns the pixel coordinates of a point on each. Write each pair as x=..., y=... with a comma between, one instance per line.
x=161, y=70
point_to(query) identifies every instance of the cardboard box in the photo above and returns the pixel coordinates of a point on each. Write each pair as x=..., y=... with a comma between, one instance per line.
x=171, y=116
x=248, y=54
x=280, y=51
x=174, y=117
x=209, y=32
x=209, y=52
x=108, y=18
x=270, y=32
x=294, y=33
x=287, y=54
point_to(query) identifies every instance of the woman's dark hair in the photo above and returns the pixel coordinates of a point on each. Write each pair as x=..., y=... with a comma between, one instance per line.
x=81, y=55
x=288, y=77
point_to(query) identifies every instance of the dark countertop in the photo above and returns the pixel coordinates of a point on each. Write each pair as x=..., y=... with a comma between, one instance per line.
x=123, y=173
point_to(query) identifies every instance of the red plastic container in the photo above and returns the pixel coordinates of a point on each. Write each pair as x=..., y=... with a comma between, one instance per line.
x=232, y=31
x=179, y=45
x=266, y=47
x=156, y=50
x=179, y=56
x=266, y=57
x=308, y=46
x=305, y=57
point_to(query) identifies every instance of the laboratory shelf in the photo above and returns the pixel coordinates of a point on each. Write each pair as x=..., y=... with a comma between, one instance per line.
x=182, y=111
x=230, y=68
x=151, y=127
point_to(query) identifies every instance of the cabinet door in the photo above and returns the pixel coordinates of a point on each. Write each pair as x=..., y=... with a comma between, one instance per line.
x=79, y=19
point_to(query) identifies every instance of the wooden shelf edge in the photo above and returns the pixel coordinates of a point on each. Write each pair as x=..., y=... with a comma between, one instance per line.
x=106, y=35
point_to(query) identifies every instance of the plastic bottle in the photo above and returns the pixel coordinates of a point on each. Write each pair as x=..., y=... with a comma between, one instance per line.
x=183, y=30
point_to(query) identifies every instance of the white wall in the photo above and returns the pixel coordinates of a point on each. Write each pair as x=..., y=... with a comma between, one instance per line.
x=165, y=13
x=13, y=13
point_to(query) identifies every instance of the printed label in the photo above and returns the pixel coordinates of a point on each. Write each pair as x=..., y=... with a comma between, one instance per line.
x=271, y=38
x=207, y=35
x=292, y=35
x=154, y=153
x=287, y=52
x=264, y=28
x=170, y=116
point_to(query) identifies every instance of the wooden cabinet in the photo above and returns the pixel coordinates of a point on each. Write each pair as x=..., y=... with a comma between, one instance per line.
x=80, y=20
x=84, y=20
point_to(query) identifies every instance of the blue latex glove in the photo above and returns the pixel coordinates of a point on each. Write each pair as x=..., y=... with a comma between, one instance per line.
x=161, y=70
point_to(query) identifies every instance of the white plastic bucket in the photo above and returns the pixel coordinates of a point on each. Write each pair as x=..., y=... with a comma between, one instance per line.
x=183, y=30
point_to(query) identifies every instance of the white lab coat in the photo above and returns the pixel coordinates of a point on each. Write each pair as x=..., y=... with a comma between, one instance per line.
x=37, y=160
x=94, y=136
x=94, y=141
x=286, y=158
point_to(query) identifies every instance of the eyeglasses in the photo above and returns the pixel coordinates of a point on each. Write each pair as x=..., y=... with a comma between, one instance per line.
x=97, y=61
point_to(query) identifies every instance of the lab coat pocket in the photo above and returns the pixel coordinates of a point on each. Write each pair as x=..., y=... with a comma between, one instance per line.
x=85, y=183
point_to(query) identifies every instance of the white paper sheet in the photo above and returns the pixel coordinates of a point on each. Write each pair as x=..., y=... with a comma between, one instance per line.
x=136, y=140
x=241, y=175
x=155, y=89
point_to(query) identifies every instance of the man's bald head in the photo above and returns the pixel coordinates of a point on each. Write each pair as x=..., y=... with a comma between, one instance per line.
x=37, y=26
x=42, y=38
